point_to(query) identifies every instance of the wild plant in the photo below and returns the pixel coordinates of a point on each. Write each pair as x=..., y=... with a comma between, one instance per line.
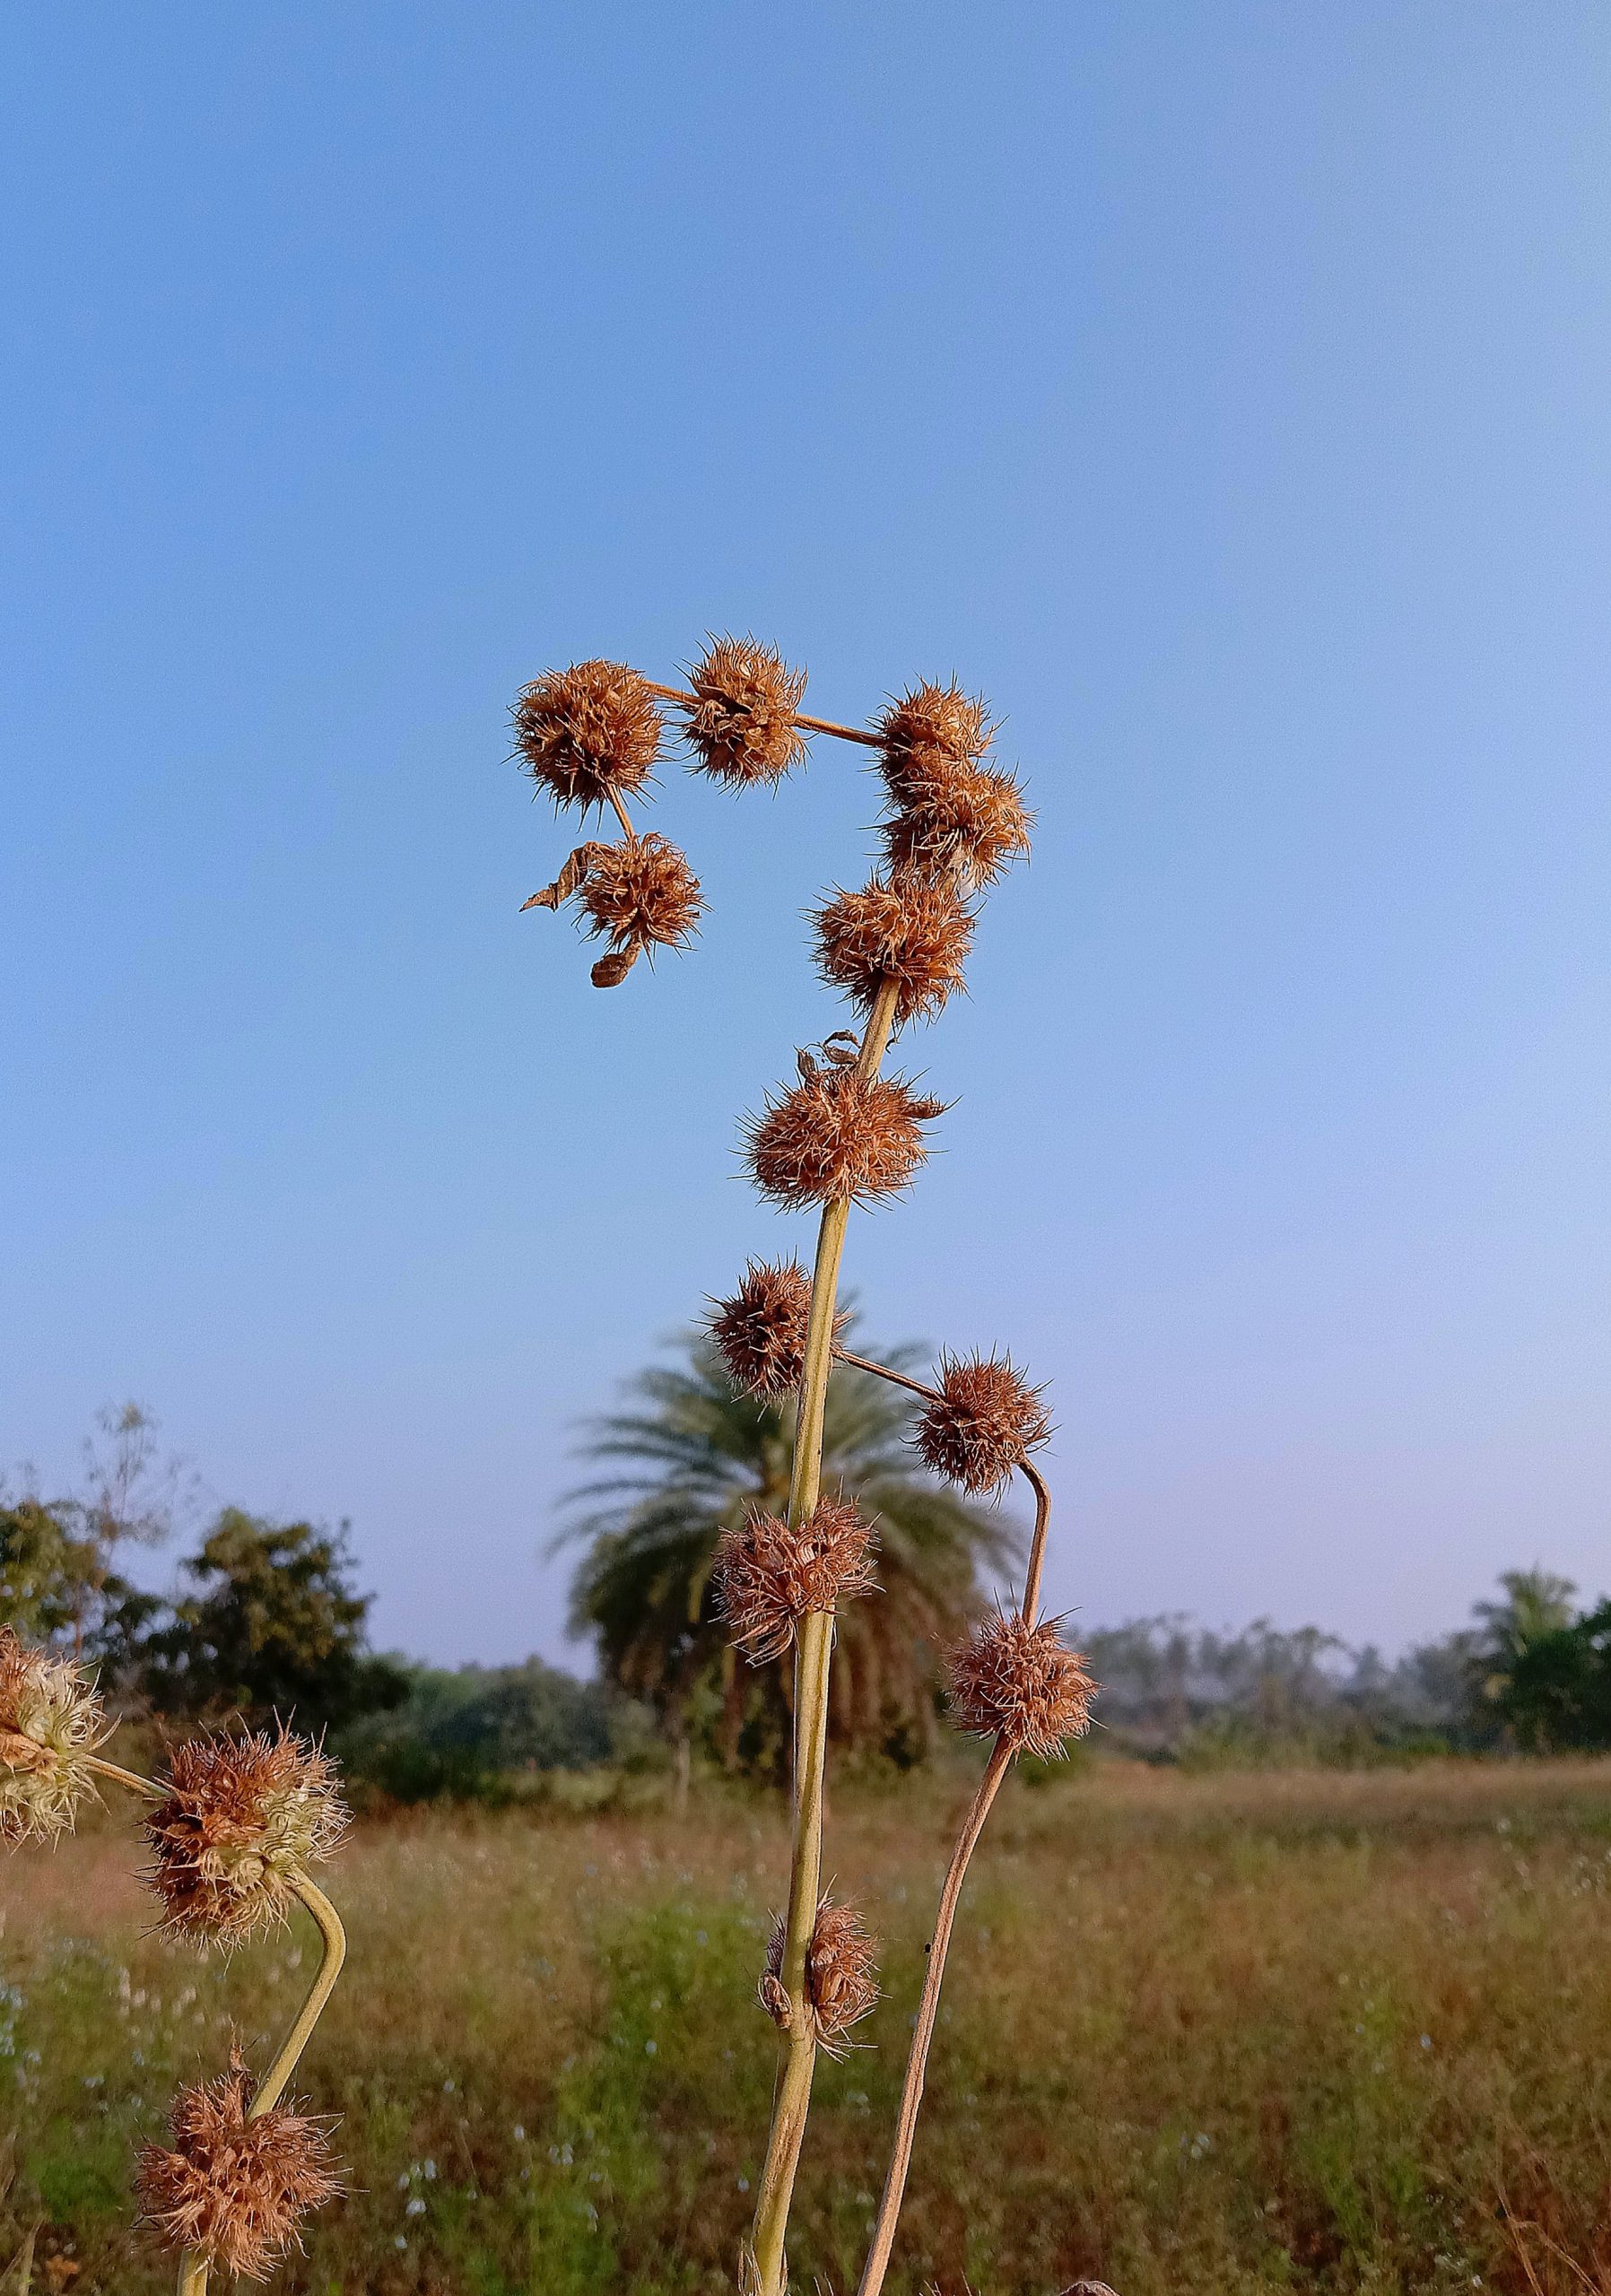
x=840, y=1133
x=235, y=1824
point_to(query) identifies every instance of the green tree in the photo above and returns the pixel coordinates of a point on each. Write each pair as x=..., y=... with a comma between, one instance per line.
x=1557, y=1695
x=59, y=1582
x=274, y=1628
x=683, y=1464
x=1536, y=1603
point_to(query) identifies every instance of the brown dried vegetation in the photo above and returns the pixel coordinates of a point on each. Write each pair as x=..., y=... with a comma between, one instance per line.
x=1020, y=1682
x=842, y=1974
x=50, y=1719
x=743, y=729
x=914, y=933
x=759, y=1333
x=769, y=1576
x=234, y=2188
x=987, y=1422
x=241, y=1818
x=588, y=730
x=838, y=1133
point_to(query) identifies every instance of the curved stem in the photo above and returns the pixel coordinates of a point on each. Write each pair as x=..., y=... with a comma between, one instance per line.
x=813, y=1654
x=995, y=1771
x=916, y=2063
x=193, y=2264
x=809, y=725
x=271, y=2087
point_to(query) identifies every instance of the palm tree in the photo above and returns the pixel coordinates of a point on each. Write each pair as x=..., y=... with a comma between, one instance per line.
x=682, y=1463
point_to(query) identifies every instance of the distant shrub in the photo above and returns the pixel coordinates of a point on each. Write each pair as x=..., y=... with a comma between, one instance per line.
x=479, y=1733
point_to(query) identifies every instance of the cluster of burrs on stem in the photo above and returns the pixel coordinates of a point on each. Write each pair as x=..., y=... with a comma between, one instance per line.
x=840, y=1133
x=235, y=1824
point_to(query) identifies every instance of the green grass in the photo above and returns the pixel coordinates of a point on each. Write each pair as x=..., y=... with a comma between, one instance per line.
x=1221, y=2033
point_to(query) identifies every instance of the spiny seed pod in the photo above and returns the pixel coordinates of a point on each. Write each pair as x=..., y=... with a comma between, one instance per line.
x=987, y=1422
x=956, y=823
x=643, y=893
x=768, y=1576
x=759, y=1333
x=842, y=1974
x=743, y=730
x=585, y=731
x=1020, y=1682
x=838, y=1135
x=931, y=725
x=912, y=932
x=235, y=2188
x=50, y=1719
x=241, y=1818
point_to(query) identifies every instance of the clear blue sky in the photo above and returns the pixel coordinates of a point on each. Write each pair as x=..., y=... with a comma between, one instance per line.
x=1224, y=389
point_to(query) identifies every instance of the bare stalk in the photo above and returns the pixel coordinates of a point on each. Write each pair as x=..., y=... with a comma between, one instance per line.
x=128, y=1778
x=973, y=1825
x=814, y=1652
x=192, y=2264
x=807, y=725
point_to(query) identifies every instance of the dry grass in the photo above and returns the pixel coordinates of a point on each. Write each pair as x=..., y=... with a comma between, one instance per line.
x=1203, y=2034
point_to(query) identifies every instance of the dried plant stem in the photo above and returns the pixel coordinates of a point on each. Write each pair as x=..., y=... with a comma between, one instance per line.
x=916, y=2063
x=622, y=815
x=973, y=1825
x=128, y=1778
x=807, y=725
x=814, y=1653
x=192, y=2264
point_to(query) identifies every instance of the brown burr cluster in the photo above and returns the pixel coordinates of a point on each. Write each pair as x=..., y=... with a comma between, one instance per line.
x=769, y=1576
x=905, y=929
x=838, y=1135
x=240, y=1819
x=742, y=727
x=586, y=731
x=237, y=2189
x=640, y=892
x=987, y=1422
x=50, y=1722
x=759, y=1333
x=1020, y=1682
x=955, y=819
x=842, y=1975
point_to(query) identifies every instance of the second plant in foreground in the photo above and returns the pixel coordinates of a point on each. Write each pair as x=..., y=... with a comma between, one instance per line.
x=842, y=1134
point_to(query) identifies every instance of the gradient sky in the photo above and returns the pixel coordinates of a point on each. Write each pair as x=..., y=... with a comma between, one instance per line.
x=1223, y=389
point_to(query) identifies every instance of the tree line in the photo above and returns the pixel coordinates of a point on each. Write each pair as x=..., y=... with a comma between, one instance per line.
x=265, y=1622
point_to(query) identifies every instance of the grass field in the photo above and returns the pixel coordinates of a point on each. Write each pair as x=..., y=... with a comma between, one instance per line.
x=1217, y=2033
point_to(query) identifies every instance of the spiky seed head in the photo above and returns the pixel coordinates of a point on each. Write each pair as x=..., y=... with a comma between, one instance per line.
x=235, y=2188
x=642, y=894
x=842, y=1974
x=50, y=1721
x=908, y=930
x=838, y=1135
x=1021, y=1683
x=241, y=1818
x=585, y=731
x=768, y=1576
x=987, y=1422
x=956, y=823
x=931, y=725
x=759, y=1333
x=743, y=729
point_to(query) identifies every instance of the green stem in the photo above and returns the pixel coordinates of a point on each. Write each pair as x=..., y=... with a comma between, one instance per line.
x=193, y=2264
x=814, y=1653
